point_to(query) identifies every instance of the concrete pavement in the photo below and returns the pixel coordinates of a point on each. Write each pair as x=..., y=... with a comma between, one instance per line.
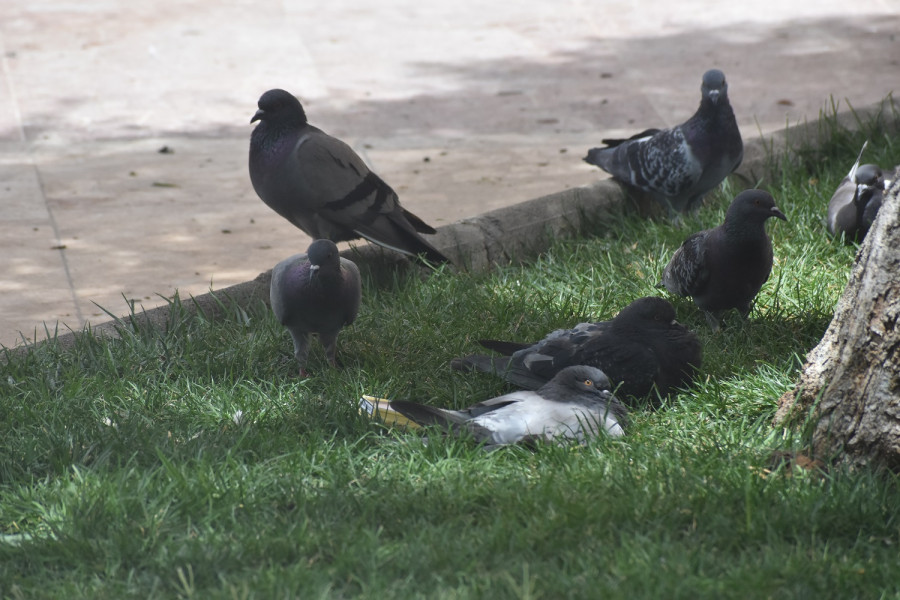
x=461, y=107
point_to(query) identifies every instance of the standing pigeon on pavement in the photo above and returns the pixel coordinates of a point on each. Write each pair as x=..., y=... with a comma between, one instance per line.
x=576, y=404
x=855, y=203
x=322, y=186
x=678, y=166
x=725, y=267
x=642, y=347
x=317, y=292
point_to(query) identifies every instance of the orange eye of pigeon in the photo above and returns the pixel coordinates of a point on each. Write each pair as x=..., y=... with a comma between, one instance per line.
x=588, y=382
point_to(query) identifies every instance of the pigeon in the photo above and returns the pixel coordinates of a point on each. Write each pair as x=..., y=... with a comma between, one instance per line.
x=575, y=405
x=641, y=348
x=318, y=183
x=678, y=166
x=725, y=267
x=317, y=292
x=855, y=203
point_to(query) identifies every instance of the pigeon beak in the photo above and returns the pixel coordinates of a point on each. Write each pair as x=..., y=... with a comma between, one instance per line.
x=862, y=188
x=714, y=96
x=259, y=115
x=313, y=271
x=778, y=213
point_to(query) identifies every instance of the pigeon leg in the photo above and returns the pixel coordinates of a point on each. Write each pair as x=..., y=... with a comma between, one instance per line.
x=329, y=342
x=674, y=216
x=713, y=319
x=301, y=349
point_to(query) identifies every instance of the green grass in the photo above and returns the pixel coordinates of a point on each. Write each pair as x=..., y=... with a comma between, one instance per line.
x=124, y=474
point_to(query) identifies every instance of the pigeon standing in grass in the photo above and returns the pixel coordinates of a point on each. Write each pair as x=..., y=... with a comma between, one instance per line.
x=725, y=267
x=678, y=166
x=576, y=404
x=317, y=292
x=318, y=183
x=855, y=203
x=641, y=348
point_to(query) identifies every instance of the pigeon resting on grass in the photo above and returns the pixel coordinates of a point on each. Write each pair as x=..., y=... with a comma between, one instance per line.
x=576, y=404
x=725, y=267
x=317, y=292
x=855, y=203
x=322, y=186
x=678, y=166
x=642, y=347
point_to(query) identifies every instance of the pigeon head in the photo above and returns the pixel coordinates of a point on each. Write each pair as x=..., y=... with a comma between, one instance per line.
x=869, y=184
x=323, y=253
x=279, y=106
x=752, y=206
x=581, y=379
x=714, y=87
x=870, y=176
x=647, y=311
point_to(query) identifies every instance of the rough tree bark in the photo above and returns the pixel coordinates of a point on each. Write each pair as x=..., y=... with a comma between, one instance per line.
x=854, y=372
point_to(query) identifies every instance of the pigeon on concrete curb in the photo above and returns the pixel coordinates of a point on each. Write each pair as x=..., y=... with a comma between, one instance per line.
x=317, y=292
x=678, y=166
x=725, y=267
x=854, y=205
x=642, y=347
x=576, y=404
x=318, y=183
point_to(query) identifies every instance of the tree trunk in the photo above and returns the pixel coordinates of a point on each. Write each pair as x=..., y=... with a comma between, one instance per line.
x=850, y=384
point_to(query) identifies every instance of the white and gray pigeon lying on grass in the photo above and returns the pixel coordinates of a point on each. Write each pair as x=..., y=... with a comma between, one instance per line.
x=317, y=292
x=725, y=267
x=318, y=183
x=642, y=349
x=854, y=205
x=575, y=405
x=678, y=166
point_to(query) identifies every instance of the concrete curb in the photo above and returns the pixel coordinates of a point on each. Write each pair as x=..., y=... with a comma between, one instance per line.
x=509, y=234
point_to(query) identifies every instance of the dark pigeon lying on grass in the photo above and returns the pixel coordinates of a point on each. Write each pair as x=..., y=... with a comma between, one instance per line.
x=855, y=203
x=725, y=267
x=317, y=292
x=641, y=348
x=318, y=183
x=678, y=166
x=576, y=404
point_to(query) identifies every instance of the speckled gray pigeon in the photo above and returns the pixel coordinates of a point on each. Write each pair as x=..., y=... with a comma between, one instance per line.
x=678, y=166
x=317, y=292
x=576, y=404
x=318, y=183
x=643, y=347
x=725, y=267
x=854, y=205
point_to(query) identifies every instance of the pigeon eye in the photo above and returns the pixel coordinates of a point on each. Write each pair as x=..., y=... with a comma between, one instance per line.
x=588, y=382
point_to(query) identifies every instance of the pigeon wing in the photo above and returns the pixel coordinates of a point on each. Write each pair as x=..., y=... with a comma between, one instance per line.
x=687, y=273
x=350, y=197
x=664, y=163
x=630, y=365
x=613, y=142
x=661, y=163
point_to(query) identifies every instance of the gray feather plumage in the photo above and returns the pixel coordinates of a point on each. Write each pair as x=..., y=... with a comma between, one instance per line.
x=318, y=183
x=642, y=349
x=576, y=404
x=855, y=203
x=725, y=267
x=678, y=166
x=318, y=292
